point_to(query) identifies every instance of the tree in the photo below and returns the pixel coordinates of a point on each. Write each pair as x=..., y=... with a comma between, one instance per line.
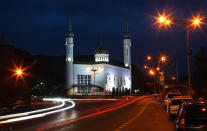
x=200, y=70
x=138, y=80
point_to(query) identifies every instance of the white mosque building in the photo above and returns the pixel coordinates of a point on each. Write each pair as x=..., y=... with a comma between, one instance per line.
x=98, y=75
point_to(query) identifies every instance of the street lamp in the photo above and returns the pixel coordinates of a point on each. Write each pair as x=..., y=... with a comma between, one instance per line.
x=152, y=73
x=149, y=58
x=145, y=67
x=196, y=21
x=19, y=72
x=163, y=59
x=163, y=20
x=94, y=69
x=158, y=68
x=94, y=74
x=173, y=78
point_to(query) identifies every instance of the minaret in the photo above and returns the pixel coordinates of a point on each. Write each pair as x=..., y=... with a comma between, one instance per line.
x=127, y=46
x=69, y=57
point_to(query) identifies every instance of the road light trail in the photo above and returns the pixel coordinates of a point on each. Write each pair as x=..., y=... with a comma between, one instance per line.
x=47, y=109
x=36, y=111
x=92, y=99
x=41, y=114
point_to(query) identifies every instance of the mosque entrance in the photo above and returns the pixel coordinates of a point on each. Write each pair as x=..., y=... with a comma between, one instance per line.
x=90, y=90
x=85, y=90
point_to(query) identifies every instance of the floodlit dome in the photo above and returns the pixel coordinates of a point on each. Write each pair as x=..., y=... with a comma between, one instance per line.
x=101, y=50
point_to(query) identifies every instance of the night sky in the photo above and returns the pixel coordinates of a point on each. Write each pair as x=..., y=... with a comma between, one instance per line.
x=39, y=26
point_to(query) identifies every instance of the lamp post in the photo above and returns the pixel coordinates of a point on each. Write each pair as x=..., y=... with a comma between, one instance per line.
x=152, y=73
x=196, y=21
x=188, y=57
x=94, y=76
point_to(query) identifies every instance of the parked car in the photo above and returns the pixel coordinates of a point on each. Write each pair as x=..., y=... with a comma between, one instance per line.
x=168, y=98
x=175, y=103
x=192, y=116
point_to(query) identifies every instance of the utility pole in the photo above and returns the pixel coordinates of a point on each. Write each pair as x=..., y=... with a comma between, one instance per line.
x=188, y=55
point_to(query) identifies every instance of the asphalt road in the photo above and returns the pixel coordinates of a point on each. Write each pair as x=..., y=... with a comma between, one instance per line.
x=144, y=114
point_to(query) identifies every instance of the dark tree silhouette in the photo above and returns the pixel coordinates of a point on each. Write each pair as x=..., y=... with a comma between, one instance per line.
x=200, y=71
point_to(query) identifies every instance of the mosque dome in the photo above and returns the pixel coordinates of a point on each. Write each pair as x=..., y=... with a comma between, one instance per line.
x=101, y=50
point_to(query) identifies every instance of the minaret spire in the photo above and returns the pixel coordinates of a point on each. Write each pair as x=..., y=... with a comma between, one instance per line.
x=69, y=28
x=69, y=23
x=126, y=32
x=126, y=27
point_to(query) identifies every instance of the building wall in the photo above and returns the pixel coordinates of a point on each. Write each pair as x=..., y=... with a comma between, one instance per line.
x=107, y=76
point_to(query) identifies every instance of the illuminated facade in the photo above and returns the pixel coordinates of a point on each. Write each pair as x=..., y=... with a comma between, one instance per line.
x=98, y=75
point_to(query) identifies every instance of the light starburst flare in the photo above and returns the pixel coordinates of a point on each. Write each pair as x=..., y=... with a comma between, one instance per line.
x=151, y=72
x=163, y=20
x=163, y=59
x=196, y=21
x=19, y=72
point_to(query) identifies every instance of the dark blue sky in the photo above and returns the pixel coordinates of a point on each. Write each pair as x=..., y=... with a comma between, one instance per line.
x=39, y=26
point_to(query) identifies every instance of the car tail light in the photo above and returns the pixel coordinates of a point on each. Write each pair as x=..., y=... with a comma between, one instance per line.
x=182, y=120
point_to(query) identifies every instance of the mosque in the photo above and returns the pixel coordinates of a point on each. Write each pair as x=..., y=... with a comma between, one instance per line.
x=98, y=75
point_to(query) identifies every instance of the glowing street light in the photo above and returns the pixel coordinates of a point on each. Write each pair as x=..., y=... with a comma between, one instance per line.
x=163, y=20
x=151, y=72
x=168, y=23
x=145, y=67
x=163, y=59
x=197, y=21
x=149, y=58
x=19, y=72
